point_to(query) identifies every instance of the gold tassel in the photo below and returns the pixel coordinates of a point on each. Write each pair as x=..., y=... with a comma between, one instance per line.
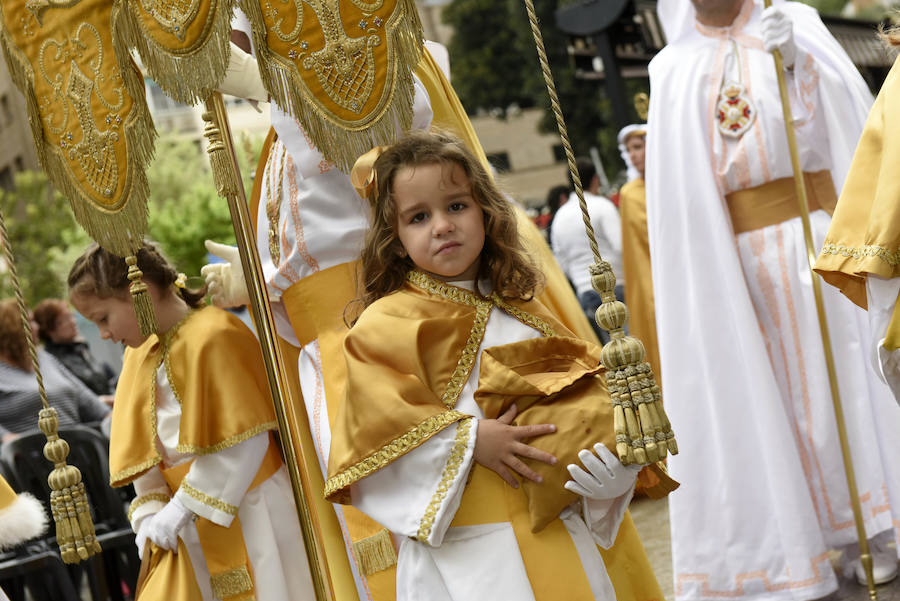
x=375, y=553
x=140, y=296
x=68, y=501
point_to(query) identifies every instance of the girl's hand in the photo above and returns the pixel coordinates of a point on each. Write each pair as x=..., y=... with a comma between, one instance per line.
x=498, y=447
x=165, y=525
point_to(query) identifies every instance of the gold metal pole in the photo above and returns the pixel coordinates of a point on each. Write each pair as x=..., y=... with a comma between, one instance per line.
x=228, y=181
x=800, y=187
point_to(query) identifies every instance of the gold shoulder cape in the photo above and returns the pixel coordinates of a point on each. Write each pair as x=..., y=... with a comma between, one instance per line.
x=215, y=368
x=402, y=388
x=864, y=237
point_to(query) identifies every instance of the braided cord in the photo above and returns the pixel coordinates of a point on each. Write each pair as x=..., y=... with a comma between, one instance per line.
x=561, y=125
x=23, y=311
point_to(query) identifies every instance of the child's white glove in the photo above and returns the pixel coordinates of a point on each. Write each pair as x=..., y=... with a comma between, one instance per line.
x=242, y=78
x=140, y=539
x=605, y=478
x=778, y=33
x=227, y=286
x=164, y=526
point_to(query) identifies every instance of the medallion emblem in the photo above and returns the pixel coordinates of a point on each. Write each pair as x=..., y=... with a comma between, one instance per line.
x=734, y=112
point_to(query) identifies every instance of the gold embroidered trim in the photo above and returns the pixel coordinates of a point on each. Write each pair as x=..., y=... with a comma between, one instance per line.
x=228, y=442
x=447, y=477
x=391, y=451
x=375, y=553
x=138, y=501
x=527, y=318
x=122, y=478
x=862, y=252
x=231, y=583
x=208, y=500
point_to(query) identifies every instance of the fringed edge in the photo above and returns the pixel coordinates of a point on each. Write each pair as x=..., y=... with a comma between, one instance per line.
x=186, y=78
x=23, y=520
x=375, y=553
x=120, y=231
x=341, y=143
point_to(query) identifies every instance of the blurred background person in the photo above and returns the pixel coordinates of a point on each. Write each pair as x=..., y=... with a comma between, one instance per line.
x=557, y=196
x=59, y=333
x=572, y=249
x=20, y=400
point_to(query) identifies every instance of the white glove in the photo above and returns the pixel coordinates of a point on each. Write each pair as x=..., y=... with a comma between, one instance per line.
x=605, y=478
x=242, y=77
x=778, y=34
x=164, y=526
x=140, y=538
x=226, y=280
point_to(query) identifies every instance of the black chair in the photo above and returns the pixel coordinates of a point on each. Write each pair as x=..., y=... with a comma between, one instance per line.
x=113, y=574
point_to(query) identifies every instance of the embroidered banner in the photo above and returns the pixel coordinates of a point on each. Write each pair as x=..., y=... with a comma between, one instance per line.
x=182, y=43
x=88, y=114
x=343, y=68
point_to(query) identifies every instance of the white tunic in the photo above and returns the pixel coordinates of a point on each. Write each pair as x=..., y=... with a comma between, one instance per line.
x=763, y=495
x=267, y=514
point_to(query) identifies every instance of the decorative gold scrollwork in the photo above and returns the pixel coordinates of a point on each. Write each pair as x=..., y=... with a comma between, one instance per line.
x=173, y=16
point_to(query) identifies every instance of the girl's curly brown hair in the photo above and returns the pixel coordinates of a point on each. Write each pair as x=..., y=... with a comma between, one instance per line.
x=503, y=260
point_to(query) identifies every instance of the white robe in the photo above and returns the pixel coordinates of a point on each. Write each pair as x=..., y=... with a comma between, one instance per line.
x=763, y=496
x=472, y=563
x=267, y=514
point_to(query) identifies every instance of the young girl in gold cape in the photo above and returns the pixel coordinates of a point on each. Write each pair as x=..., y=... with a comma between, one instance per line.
x=444, y=277
x=192, y=430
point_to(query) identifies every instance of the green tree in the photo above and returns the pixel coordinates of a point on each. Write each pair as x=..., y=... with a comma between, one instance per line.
x=42, y=232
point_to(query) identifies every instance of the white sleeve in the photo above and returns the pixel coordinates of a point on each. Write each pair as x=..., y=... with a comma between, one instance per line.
x=611, y=224
x=418, y=494
x=151, y=494
x=216, y=483
x=603, y=518
x=882, y=296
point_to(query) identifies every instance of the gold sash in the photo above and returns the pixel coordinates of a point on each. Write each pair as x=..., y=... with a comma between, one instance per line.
x=776, y=201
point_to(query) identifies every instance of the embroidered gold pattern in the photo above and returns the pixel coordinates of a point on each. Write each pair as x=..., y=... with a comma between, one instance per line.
x=173, y=16
x=451, y=469
x=208, y=500
x=527, y=318
x=143, y=499
x=391, y=451
x=892, y=258
x=231, y=583
x=273, y=204
x=228, y=442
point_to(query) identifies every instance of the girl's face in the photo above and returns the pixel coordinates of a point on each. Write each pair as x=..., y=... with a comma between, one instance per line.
x=439, y=222
x=114, y=316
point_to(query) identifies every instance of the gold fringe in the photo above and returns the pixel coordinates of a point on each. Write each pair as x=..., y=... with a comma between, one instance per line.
x=340, y=142
x=120, y=231
x=375, y=553
x=187, y=75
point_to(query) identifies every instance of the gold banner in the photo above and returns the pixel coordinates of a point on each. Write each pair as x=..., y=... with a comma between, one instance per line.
x=343, y=68
x=182, y=43
x=89, y=118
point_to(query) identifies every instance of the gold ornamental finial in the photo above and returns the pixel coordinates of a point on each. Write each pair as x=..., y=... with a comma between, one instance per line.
x=642, y=105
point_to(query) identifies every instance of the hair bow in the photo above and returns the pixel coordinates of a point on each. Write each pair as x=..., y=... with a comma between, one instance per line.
x=362, y=176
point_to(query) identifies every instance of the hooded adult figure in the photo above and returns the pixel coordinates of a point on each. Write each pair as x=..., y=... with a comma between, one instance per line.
x=764, y=497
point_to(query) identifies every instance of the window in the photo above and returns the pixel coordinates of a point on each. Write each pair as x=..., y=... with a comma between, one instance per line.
x=499, y=161
x=20, y=166
x=4, y=107
x=6, y=178
x=559, y=154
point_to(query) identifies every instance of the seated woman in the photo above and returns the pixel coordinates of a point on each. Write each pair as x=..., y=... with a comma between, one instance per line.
x=20, y=400
x=59, y=334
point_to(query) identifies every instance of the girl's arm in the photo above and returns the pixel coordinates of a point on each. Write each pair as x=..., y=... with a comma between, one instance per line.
x=216, y=483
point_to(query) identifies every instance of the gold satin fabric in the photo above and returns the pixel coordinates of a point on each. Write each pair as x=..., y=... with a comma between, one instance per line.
x=221, y=405
x=864, y=236
x=776, y=201
x=556, y=380
x=7, y=495
x=638, y=278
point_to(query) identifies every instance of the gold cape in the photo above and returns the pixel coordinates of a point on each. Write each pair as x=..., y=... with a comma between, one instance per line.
x=864, y=237
x=636, y=260
x=215, y=368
